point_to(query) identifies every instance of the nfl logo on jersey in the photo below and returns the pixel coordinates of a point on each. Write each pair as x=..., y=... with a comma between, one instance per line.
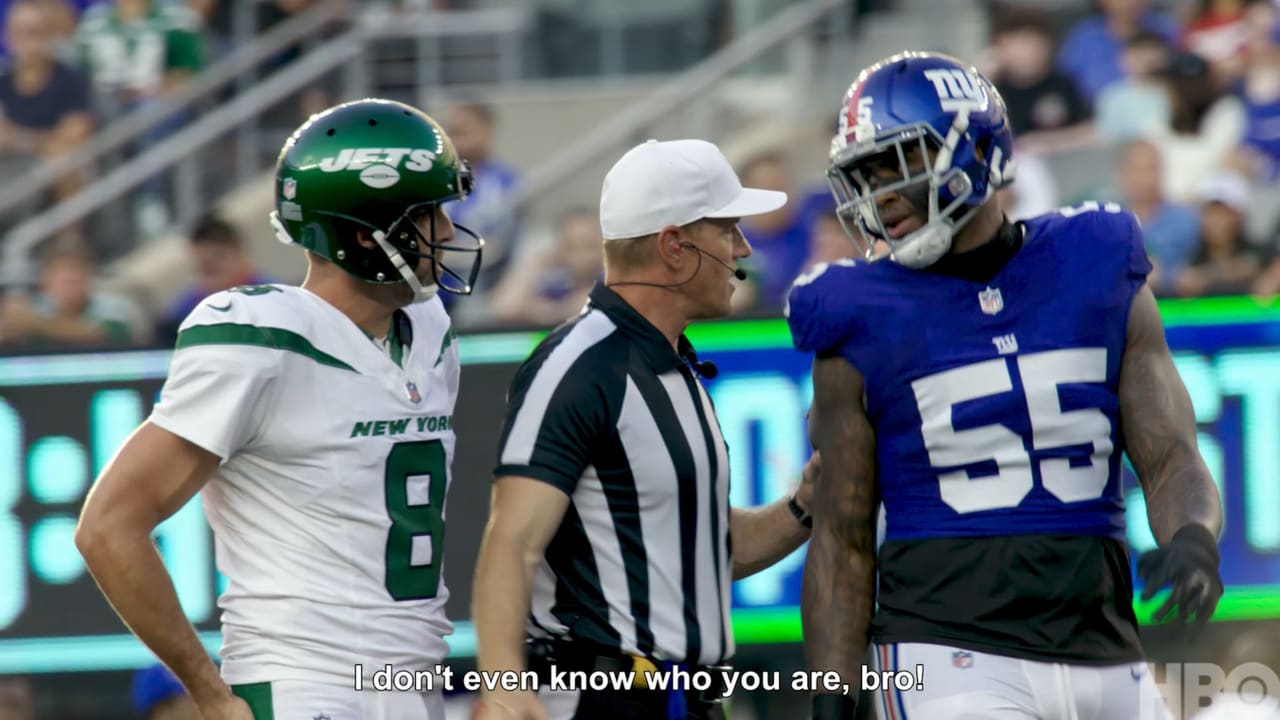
x=962, y=659
x=991, y=301
x=412, y=391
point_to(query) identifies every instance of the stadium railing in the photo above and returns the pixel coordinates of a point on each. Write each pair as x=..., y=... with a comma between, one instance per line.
x=231, y=69
x=345, y=55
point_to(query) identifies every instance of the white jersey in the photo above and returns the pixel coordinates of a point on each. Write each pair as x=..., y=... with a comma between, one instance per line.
x=328, y=512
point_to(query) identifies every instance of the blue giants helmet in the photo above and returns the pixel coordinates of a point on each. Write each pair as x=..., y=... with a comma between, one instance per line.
x=943, y=126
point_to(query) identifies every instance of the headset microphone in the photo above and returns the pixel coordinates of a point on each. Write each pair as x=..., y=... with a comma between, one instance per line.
x=705, y=368
x=737, y=272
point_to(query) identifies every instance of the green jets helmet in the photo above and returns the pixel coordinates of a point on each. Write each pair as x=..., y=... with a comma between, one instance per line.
x=381, y=167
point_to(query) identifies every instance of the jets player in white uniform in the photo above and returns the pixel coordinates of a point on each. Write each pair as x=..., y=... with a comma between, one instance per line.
x=318, y=422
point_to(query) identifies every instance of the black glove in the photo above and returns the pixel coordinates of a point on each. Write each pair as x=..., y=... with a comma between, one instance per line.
x=832, y=706
x=1190, y=564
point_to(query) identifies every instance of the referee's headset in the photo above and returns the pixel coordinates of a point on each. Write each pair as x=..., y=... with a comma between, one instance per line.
x=737, y=272
x=705, y=368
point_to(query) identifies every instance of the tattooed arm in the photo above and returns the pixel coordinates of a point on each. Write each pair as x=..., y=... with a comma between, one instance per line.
x=839, y=574
x=1160, y=429
x=1183, y=505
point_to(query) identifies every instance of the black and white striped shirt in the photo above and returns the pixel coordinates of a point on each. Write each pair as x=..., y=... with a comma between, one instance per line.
x=607, y=411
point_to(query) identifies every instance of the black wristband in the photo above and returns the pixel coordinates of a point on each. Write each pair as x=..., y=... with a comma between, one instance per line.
x=1198, y=535
x=830, y=706
x=802, y=517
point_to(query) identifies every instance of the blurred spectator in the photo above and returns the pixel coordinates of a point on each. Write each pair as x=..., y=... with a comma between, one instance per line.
x=216, y=20
x=157, y=695
x=1226, y=264
x=17, y=700
x=1092, y=50
x=63, y=16
x=1218, y=34
x=1171, y=231
x=67, y=311
x=553, y=284
x=1045, y=110
x=45, y=104
x=135, y=50
x=1140, y=103
x=486, y=210
x=221, y=262
x=780, y=239
x=1033, y=193
x=1261, y=95
x=1204, y=130
x=1258, y=154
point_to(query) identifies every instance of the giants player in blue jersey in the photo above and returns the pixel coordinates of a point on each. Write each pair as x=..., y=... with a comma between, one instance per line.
x=982, y=381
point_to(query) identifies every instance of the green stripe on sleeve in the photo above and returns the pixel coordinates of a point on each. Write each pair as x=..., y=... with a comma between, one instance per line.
x=236, y=334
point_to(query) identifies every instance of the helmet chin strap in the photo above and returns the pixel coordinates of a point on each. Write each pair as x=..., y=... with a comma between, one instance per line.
x=282, y=234
x=420, y=291
x=927, y=245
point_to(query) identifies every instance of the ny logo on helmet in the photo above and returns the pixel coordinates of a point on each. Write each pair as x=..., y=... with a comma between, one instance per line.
x=957, y=89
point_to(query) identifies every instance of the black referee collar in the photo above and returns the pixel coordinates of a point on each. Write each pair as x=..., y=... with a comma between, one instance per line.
x=655, y=348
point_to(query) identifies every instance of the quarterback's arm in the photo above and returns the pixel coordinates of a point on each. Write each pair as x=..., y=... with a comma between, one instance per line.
x=154, y=474
x=1159, y=427
x=524, y=514
x=762, y=536
x=839, y=573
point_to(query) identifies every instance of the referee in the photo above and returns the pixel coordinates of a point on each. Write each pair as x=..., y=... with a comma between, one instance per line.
x=611, y=545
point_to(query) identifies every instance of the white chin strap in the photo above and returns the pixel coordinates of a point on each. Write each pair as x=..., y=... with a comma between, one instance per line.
x=420, y=291
x=925, y=246
x=282, y=234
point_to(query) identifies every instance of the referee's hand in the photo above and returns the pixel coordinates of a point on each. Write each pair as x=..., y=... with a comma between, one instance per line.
x=509, y=706
x=808, y=479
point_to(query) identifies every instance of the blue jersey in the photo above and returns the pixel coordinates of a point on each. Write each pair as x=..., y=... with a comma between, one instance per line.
x=995, y=405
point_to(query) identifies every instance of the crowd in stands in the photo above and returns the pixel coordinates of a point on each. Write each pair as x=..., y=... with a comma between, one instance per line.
x=1186, y=98
x=1174, y=107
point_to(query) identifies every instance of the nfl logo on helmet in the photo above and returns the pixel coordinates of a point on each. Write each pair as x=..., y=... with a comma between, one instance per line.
x=991, y=301
x=289, y=189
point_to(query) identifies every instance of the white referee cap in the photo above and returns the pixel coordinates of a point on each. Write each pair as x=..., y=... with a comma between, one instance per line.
x=675, y=182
